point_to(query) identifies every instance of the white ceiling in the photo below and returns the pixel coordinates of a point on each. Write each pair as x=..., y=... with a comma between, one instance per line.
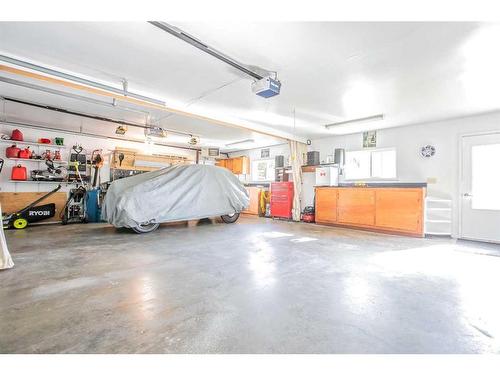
x=209, y=134
x=330, y=72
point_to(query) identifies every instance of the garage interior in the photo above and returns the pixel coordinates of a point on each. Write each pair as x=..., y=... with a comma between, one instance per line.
x=369, y=155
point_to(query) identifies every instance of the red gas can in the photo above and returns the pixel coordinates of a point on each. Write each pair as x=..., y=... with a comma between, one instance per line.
x=19, y=173
x=17, y=135
x=12, y=151
x=25, y=154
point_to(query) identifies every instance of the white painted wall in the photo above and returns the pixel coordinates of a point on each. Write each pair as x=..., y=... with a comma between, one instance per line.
x=444, y=166
x=308, y=179
x=411, y=166
x=254, y=154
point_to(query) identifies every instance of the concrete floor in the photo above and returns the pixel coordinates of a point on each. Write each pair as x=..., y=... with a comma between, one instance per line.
x=258, y=286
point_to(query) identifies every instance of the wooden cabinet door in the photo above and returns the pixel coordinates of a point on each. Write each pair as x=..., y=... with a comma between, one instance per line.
x=237, y=165
x=245, y=165
x=326, y=205
x=229, y=164
x=221, y=163
x=253, y=207
x=356, y=206
x=400, y=209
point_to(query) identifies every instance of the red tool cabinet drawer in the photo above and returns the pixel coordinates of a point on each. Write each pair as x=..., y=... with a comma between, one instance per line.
x=282, y=199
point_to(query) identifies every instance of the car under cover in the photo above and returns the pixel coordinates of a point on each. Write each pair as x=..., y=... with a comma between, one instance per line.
x=176, y=193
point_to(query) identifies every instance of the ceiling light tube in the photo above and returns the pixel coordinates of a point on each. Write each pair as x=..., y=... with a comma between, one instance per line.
x=240, y=142
x=74, y=78
x=32, y=86
x=357, y=120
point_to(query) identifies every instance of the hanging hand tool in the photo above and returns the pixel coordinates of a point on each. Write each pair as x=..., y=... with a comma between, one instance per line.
x=98, y=162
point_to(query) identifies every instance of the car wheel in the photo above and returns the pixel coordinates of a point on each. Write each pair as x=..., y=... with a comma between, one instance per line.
x=146, y=227
x=231, y=218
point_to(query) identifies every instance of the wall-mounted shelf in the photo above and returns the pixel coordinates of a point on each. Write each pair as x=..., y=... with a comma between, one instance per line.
x=43, y=182
x=309, y=168
x=312, y=168
x=39, y=160
x=438, y=216
x=437, y=200
x=47, y=145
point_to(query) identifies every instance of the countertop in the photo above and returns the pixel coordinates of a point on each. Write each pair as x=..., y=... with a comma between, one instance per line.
x=256, y=184
x=384, y=184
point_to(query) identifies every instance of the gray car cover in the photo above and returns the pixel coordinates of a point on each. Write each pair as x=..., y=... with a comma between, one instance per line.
x=180, y=192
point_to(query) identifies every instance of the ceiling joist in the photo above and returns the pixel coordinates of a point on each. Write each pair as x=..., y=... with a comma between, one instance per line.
x=142, y=103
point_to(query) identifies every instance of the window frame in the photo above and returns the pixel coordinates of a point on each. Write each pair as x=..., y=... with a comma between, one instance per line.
x=371, y=178
x=252, y=177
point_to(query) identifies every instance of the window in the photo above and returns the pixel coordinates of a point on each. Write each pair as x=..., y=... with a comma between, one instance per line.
x=485, y=177
x=263, y=170
x=383, y=163
x=370, y=164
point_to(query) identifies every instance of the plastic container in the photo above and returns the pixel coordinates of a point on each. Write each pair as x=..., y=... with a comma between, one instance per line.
x=17, y=135
x=12, y=151
x=25, y=154
x=19, y=173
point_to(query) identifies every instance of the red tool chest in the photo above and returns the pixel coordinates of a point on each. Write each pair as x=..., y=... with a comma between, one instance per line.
x=282, y=199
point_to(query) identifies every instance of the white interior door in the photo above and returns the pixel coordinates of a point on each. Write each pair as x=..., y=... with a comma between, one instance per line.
x=480, y=190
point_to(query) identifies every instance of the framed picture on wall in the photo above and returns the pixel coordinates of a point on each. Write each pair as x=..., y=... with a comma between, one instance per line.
x=370, y=138
x=264, y=153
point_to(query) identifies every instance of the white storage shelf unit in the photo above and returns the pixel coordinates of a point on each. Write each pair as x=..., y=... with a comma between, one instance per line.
x=438, y=216
x=31, y=164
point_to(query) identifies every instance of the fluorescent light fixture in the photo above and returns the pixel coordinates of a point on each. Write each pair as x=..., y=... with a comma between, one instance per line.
x=155, y=131
x=84, y=81
x=240, y=142
x=357, y=120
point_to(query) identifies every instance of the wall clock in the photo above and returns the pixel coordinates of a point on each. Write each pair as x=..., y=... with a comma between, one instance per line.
x=427, y=151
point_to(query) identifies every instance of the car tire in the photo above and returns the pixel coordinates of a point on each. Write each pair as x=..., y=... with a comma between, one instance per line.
x=228, y=219
x=146, y=228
